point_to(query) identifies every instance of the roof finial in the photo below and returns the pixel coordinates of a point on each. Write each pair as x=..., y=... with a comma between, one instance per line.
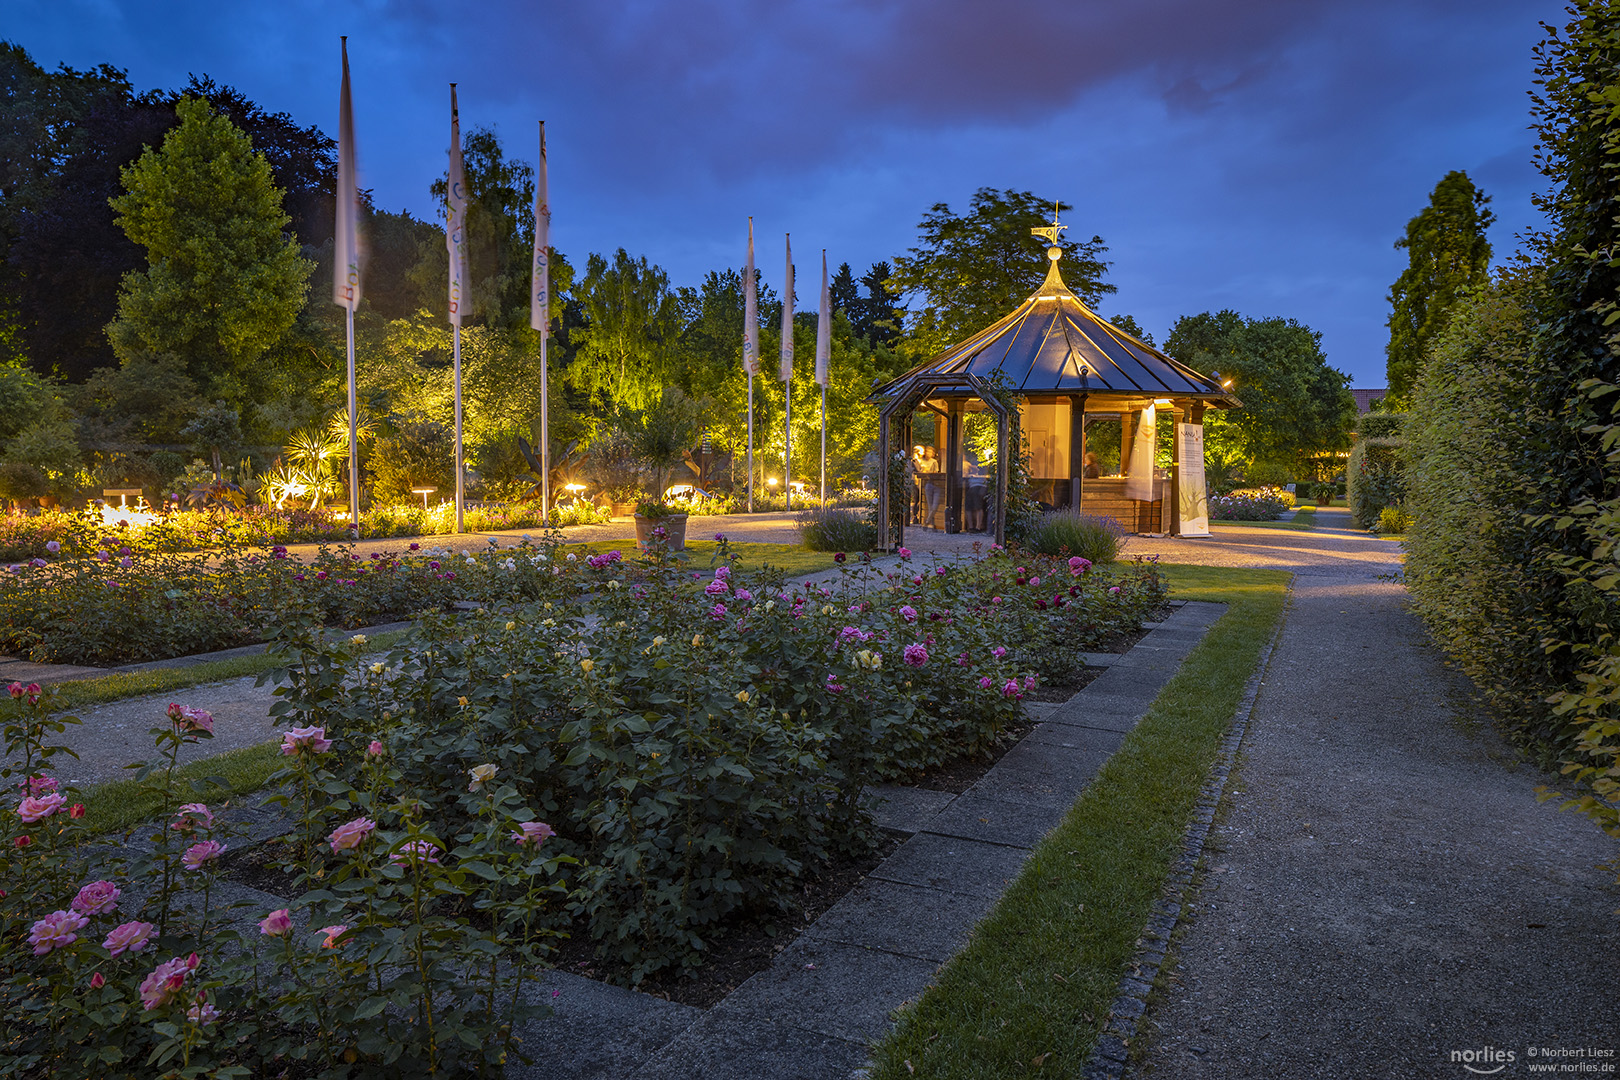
x=1052, y=233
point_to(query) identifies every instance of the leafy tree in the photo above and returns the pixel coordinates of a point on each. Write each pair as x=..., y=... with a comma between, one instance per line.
x=632, y=326
x=217, y=431
x=1449, y=254
x=661, y=435
x=147, y=399
x=1295, y=407
x=224, y=281
x=971, y=269
x=1129, y=324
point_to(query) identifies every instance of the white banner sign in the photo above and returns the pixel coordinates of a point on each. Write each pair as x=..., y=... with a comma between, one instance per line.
x=1194, y=500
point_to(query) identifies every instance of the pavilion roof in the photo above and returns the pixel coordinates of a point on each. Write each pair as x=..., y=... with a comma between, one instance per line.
x=1046, y=343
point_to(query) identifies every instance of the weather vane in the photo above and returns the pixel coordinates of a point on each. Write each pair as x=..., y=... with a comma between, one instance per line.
x=1051, y=232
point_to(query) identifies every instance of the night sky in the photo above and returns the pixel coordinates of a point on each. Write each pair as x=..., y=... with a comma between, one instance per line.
x=1260, y=156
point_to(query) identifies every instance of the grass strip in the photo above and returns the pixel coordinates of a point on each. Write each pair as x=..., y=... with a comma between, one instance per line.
x=1030, y=993
x=789, y=558
x=81, y=693
x=119, y=804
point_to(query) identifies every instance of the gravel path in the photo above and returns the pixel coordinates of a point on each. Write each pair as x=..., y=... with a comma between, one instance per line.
x=1384, y=889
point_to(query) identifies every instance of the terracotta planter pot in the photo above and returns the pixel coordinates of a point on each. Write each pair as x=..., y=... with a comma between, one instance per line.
x=674, y=527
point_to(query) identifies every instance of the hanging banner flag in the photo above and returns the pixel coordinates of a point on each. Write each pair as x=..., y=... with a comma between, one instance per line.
x=455, y=223
x=824, y=330
x=1144, y=447
x=540, y=302
x=787, y=316
x=346, y=257
x=750, y=310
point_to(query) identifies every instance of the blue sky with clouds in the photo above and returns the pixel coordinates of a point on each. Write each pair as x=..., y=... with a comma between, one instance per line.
x=1262, y=156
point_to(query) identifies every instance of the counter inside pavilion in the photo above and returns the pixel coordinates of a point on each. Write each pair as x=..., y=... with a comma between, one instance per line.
x=1093, y=397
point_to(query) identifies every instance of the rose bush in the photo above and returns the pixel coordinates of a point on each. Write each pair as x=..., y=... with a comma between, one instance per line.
x=404, y=956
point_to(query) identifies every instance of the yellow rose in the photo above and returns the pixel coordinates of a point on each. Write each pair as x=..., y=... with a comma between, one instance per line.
x=462, y=702
x=586, y=665
x=376, y=669
x=742, y=696
x=481, y=774
x=697, y=640
x=358, y=639
x=511, y=626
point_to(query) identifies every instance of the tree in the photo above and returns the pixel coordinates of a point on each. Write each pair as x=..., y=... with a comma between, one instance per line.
x=1448, y=254
x=632, y=326
x=1295, y=407
x=970, y=270
x=224, y=281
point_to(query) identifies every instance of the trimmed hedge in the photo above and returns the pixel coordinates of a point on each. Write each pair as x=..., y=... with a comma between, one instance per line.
x=1375, y=478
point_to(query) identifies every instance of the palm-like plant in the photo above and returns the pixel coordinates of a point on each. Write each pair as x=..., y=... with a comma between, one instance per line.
x=309, y=450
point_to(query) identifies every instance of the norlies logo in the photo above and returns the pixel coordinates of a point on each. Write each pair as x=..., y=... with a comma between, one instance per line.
x=1486, y=1061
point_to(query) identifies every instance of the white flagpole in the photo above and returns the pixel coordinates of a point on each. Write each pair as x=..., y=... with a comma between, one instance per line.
x=346, y=269
x=455, y=226
x=750, y=351
x=787, y=378
x=540, y=315
x=823, y=363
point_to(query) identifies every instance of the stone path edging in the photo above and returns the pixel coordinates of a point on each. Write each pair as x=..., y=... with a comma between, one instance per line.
x=1110, y=1057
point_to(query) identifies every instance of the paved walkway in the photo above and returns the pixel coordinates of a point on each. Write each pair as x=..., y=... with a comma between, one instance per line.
x=1384, y=890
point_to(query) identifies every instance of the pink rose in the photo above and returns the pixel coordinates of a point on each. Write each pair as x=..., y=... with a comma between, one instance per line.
x=190, y=814
x=56, y=931
x=276, y=924
x=199, y=855
x=41, y=785
x=32, y=810
x=721, y=573
x=76, y=811
x=97, y=981
x=423, y=850
x=332, y=934
x=984, y=683
x=532, y=832
x=166, y=980
x=299, y=740
x=347, y=837
x=185, y=718
x=375, y=750
x=908, y=613
x=999, y=651
x=96, y=898
x=1034, y=581
x=716, y=588
x=915, y=655
x=904, y=553
x=130, y=937
x=202, y=1014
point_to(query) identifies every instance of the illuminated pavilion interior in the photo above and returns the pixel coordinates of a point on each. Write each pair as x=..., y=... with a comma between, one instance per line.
x=1092, y=398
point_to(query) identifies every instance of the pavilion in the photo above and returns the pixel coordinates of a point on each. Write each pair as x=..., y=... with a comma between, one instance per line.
x=1089, y=399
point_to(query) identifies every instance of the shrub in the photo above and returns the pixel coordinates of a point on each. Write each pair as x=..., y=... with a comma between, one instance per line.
x=1376, y=478
x=1472, y=561
x=837, y=529
x=1069, y=532
x=1394, y=520
x=1251, y=504
x=456, y=920
x=1381, y=425
x=707, y=742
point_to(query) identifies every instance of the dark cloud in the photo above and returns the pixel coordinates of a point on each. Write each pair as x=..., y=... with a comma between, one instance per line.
x=1259, y=155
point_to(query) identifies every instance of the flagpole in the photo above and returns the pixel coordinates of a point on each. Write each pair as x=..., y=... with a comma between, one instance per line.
x=787, y=376
x=455, y=224
x=354, y=453
x=823, y=367
x=460, y=493
x=750, y=350
x=750, y=442
x=346, y=271
x=540, y=315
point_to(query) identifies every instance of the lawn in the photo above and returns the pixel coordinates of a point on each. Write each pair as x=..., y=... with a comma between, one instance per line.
x=1031, y=992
